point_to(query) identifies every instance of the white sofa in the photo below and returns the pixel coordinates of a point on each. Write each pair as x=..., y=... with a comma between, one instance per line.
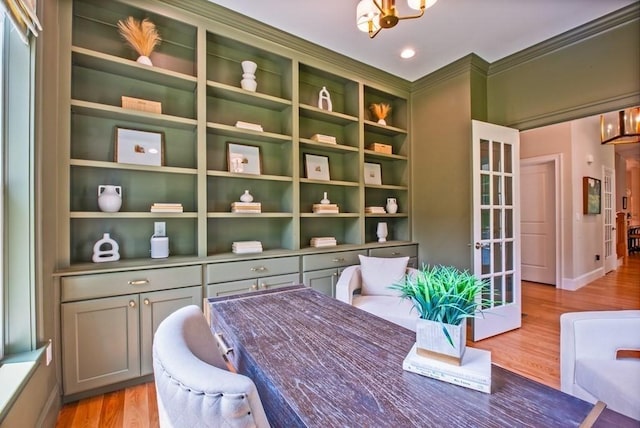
x=378, y=299
x=589, y=370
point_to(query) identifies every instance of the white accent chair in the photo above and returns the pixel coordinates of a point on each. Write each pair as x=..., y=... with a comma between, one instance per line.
x=194, y=388
x=377, y=298
x=589, y=370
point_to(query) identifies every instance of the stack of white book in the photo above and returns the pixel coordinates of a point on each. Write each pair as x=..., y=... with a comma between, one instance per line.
x=374, y=210
x=473, y=373
x=164, y=207
x=324, y=241
x=245, y=247
x=248, y=125
x=246, y=207
x=320, y=138
x=326, y=209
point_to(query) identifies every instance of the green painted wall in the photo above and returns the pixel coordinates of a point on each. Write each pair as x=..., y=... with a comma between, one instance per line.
x=587, y=71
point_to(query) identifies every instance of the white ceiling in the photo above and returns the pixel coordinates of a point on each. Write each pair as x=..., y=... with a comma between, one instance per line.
x=451, y=29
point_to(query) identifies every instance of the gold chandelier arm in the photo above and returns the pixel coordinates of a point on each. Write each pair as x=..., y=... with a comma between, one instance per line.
x=372, y=33
x=382, y=11
x=418, y=15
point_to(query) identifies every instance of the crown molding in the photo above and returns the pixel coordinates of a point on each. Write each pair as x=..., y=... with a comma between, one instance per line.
x=297, y=48
x=620, y=17
x=466, y=64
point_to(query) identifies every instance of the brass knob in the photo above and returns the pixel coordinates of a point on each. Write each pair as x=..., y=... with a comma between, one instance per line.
x=146, y=302
x=254, y=286
x=132, y=304
x=263, y=286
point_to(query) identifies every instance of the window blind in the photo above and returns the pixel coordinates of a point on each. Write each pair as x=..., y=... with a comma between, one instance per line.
x=23, y=16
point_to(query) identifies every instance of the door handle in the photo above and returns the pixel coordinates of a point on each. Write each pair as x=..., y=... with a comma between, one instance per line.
x=482, y=245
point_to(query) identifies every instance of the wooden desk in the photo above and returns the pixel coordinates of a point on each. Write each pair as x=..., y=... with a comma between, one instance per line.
x=318, y=362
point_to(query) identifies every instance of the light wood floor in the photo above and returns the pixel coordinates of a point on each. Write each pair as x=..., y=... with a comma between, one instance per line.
x=532, y=350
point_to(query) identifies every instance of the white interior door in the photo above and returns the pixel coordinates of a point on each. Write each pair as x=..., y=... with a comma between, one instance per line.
x=537, y=222
x=609, y=220
x=496, y=226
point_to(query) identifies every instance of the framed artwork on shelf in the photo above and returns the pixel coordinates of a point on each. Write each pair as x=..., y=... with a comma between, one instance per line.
x=591, y=195
x=317, y=167
x=139, y=147
x=243, y=159
x=372, y=173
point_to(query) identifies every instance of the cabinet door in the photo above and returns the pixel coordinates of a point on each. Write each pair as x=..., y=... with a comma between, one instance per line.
x=100, y=340
x=323, y=280
x=278, y=281
x=155, y=307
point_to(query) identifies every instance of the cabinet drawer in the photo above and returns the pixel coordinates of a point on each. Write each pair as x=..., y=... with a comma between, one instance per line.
x=251, y=285
x=232, y=271
x=111, y=284
x=331, y=260
x=399, y=251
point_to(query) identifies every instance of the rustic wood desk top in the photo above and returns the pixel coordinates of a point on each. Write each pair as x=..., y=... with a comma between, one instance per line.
x=318, y=362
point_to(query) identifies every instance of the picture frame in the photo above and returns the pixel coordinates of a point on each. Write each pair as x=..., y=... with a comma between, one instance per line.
x=244, y=159
x=591, y=191
x=372, y=173
x=139, y=147
x=317, y=167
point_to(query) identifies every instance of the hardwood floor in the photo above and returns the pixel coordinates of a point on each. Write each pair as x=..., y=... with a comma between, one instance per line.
x=532, y=351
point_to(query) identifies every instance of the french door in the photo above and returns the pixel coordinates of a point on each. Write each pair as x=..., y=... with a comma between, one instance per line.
x=496, y=227
x=609, y=220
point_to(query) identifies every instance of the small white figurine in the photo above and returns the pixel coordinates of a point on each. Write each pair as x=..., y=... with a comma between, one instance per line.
x=324, y=96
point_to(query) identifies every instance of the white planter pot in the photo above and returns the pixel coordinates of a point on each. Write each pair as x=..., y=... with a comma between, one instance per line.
x=432, y=342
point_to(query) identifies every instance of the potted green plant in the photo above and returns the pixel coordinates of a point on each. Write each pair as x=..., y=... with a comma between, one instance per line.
x=444, y=297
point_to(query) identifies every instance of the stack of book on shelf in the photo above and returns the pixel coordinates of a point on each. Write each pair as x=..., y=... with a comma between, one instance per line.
x=324, y=139
x=246, y=207
x=474, y=371
x=374, y=210
x=248, y=125
x=245, y=247
x=326, y=209
x=324, y=241
x=165, y=207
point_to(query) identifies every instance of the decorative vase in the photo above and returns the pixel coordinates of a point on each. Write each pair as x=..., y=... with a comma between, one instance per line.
x=246, y=197
x=325, y=200
x=382, y=232
x=248, y=81
x=109, y=198
x=392, y=205
x=106, y=250
x=382, y=122
x=143, y=59
x=431, y=341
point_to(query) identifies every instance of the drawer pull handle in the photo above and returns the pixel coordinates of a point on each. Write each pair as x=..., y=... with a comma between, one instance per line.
x=395, y=253
x=222, y=345
x=258, y=269
x=146, y=302
x=338, y=260
x=139, y=282
x=132, y=304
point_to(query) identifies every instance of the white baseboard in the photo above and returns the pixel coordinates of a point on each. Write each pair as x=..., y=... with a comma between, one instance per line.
x=574, y=284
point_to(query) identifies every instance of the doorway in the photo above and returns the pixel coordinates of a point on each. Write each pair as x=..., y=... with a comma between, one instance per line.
x=540, y=190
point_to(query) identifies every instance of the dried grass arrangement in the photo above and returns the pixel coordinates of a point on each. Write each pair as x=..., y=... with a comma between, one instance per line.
x=142, y=36
x=380, y=112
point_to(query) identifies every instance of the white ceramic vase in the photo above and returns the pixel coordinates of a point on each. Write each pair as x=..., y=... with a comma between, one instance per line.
x=143, y=59
x=392, y=205
x=246, y=197
x=106, y=250
x=382, y=232
x=248, y=81
x=109, y=198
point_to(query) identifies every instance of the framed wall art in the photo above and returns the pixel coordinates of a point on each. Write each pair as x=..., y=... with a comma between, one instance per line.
x=591, y=195
x=372, y=173
x=243, y=159
x=139, y=147
x=317, y=167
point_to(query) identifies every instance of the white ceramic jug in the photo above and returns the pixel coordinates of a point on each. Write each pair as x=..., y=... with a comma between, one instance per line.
x=392, y=206
x=109, y=198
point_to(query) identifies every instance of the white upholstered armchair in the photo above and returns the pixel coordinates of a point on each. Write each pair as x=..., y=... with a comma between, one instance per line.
x=589, y=369
x=372, y=278
x=194, y=388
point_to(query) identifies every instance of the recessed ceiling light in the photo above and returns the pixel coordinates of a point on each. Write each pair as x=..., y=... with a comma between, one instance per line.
x=407, y=53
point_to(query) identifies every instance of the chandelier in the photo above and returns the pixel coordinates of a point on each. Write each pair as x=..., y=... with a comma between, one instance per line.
x=620, y=127
x=374, y=15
